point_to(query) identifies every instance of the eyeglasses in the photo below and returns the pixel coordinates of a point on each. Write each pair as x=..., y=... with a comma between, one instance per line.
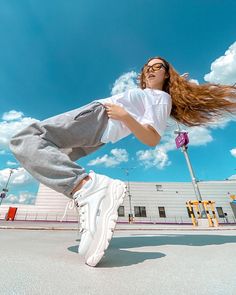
x=155, y=67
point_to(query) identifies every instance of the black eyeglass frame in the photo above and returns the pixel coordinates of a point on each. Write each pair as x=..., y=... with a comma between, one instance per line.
x=144, y=70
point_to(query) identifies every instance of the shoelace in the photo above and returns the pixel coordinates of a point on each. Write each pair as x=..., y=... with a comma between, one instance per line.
x=70, y=205
x=80, y=210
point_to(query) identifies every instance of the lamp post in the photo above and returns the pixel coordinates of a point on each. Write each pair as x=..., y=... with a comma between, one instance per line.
x=4, y=191
x=126, y=170
x=182, y=141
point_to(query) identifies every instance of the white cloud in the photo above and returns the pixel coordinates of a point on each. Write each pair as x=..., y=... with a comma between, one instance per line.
x=194, y=81
x=12, y=115
x=117, y=156
x=232, y=177
x=12, y=123
x=223, y=69
x=19, y=177
x=233, y=152
x=158, y=157
x=124, y=82
x=10, y=163
x=222, y=122
x=199, y=136
x=23, y=198
x=153, y=158
x=120, y=154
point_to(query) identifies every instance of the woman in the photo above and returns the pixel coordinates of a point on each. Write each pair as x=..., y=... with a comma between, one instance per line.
x=47, y=149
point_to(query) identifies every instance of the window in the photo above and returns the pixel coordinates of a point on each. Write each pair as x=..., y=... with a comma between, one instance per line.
x=140, y=211
x=220, y=212
x=162, y=212
x=159, y=188
x=121, y=211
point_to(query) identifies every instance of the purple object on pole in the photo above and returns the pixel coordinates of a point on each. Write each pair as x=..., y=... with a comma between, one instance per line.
x=182, y=139
x=2, y=195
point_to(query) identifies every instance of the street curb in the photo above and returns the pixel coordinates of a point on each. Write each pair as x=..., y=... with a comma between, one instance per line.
x=37, y=228
x=120, y=229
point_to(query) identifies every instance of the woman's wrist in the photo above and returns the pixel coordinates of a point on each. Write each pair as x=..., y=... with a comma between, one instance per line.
x=126, y=116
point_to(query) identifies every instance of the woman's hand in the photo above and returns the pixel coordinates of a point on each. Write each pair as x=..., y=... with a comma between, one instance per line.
x=145, y=133
x=115, y=111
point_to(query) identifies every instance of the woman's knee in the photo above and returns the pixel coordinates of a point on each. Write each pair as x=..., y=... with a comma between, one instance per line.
x=22, y=140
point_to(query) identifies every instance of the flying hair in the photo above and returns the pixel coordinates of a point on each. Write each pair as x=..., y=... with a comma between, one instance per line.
x=192, y=104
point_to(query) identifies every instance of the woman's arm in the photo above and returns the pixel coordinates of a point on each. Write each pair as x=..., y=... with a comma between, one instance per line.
x=144, y=132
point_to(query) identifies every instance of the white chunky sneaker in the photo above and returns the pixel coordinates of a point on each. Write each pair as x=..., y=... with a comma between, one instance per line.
x=98, y=206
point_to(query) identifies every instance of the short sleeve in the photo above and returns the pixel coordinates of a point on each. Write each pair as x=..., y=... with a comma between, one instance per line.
x=157, y=116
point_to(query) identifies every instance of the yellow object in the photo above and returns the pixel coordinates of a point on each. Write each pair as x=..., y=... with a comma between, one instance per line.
x=212, y=220
x=233, y=197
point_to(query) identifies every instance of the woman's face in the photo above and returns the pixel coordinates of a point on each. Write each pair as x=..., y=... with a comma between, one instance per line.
x=155, y=74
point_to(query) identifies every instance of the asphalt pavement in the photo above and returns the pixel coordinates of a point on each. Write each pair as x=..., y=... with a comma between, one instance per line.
x=139, y=261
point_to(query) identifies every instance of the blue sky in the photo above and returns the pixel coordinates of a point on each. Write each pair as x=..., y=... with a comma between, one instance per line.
x=58, y=55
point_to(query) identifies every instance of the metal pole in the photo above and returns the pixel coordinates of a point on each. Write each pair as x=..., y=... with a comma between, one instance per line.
x=194, y=180
x=129, y=194
x=130, y=206
x=11, y=171
x=5, y=189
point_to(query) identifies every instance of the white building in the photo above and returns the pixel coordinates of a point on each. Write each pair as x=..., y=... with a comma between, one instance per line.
x=158, y=202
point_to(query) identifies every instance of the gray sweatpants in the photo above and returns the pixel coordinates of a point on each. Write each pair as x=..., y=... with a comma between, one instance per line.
x=48, y=149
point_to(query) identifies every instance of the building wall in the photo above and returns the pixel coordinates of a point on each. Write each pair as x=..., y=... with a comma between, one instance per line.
x=173, y=196
x=50, y=205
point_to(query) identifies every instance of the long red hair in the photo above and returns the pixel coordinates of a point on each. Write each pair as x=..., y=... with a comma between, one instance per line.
x=193, y=104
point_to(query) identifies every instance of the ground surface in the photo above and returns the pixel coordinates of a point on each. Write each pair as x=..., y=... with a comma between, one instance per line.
x=167, y=262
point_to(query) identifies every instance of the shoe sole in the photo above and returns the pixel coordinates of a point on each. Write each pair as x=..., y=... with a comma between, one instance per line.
x=107, y=224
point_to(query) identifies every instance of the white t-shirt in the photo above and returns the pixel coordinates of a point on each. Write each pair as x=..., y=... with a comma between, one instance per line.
x=147, y=106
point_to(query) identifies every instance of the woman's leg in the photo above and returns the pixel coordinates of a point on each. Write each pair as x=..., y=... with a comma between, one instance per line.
x=47, y=149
